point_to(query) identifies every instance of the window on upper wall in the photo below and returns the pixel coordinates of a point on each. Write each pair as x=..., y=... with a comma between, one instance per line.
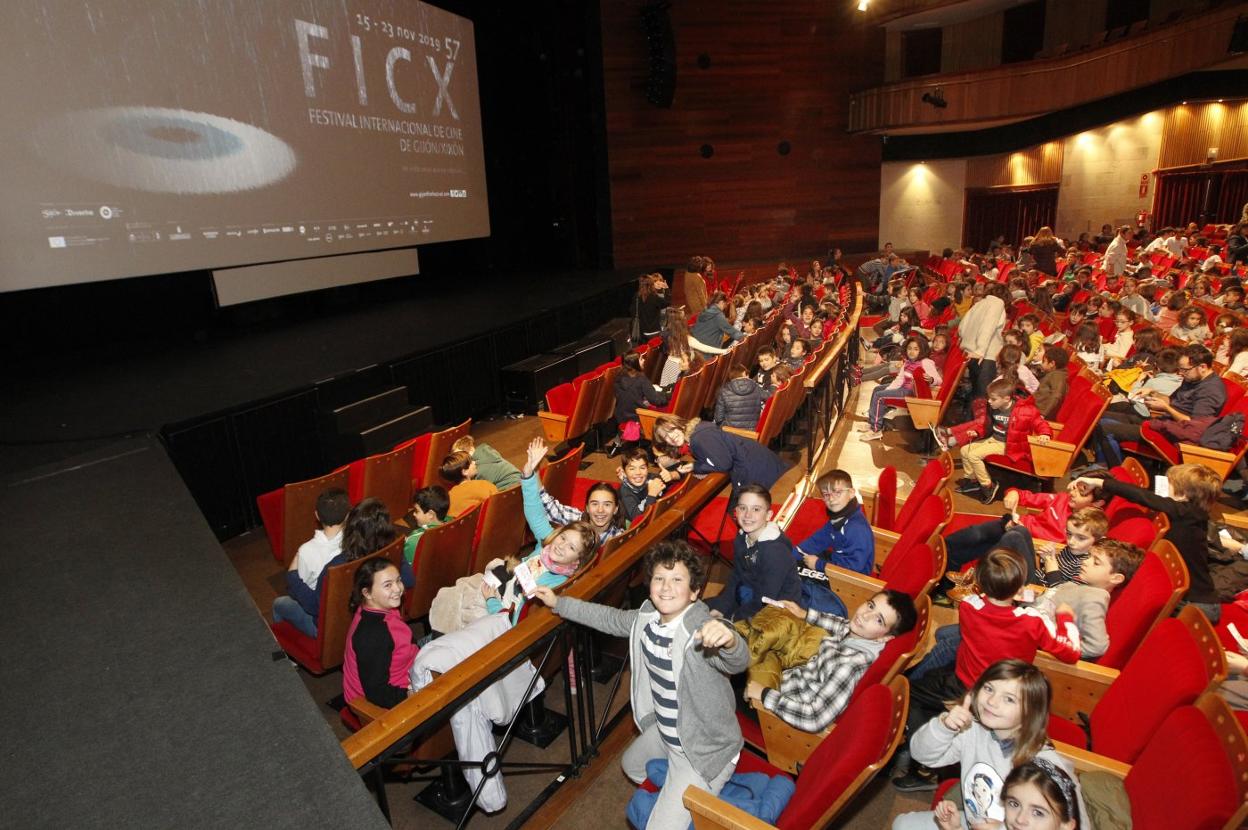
x=921, y=52
x=1022, y=34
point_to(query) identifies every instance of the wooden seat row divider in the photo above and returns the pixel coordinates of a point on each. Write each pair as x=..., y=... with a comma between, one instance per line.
x=452, y=689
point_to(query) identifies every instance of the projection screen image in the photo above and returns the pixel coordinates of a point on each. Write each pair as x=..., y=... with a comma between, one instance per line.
x=157, y=137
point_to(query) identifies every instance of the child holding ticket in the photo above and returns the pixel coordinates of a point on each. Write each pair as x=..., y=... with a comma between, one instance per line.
x=560, y=551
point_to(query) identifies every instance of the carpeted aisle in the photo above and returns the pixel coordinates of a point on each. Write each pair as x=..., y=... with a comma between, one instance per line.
x=139, y=688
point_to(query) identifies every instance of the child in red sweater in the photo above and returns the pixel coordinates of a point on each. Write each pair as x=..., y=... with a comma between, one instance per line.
x=992, y=629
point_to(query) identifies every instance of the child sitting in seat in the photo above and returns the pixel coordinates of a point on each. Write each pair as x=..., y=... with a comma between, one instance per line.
x=1000, y=724
x=639, y=489
x=1033, y=344
x=740, y=400
x=379, y=649
x=1054, y=381
x=991, y=628
x=763, y=563
x=1002, y=431
x=916, y=360
x=430, y=508
x=797, y=354
x=602, y=502
x=846, y=541
x=491, y=466
x=304, y=572
x=767, y=361
x=1193, y=490
x=467, y=491
x=1051, y=524
x=1109, y=566
x=812, y=693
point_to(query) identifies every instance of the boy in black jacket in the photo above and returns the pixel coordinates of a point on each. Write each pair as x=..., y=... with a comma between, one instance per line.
x=763, y=561
x=638, y=487
x=1193, y=491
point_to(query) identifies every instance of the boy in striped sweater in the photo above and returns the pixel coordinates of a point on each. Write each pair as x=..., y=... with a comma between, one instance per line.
x=682, y=700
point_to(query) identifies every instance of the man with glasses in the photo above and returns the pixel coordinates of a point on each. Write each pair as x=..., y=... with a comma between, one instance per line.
x=1181, y=417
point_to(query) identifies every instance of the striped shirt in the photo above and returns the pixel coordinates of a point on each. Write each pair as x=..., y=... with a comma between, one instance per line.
x=1069, y=564
x=656, y=645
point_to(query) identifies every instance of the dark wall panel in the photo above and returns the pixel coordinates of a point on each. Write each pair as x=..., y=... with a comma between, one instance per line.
x=769, y=73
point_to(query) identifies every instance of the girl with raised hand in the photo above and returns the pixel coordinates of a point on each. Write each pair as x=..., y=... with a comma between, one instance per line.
x=602, y=503
x=1000, y=724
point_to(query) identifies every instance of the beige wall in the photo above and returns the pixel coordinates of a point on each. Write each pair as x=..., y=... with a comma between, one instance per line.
x=1101, y=172
x=921, y=204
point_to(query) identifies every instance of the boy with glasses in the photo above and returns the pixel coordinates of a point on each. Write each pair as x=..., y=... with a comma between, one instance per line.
x=845, y=541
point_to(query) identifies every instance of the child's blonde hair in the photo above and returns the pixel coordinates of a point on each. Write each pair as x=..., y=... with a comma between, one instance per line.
x=1195, y=483
x=1090, y=519
x=465, y=444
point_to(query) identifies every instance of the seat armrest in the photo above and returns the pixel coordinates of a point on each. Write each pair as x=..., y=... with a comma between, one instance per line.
x=744, y=433
x=1050, y=459
x=555, y=426
x=1239, y=520
x=1220, y=462
x=885, y=540
x=786, y=746
x=852, y=587
x=1056, y=426
x=710, y=812
x=365, y=711
x=1085, y=761
x=1077, y=687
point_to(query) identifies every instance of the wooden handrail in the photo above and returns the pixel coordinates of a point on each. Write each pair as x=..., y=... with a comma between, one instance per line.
x=1018, y=91
x=444, y=692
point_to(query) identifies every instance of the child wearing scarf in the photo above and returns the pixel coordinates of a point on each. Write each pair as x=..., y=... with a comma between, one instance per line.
x=845, y=541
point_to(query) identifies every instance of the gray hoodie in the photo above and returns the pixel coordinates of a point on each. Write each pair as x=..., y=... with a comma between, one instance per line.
x=706, y=707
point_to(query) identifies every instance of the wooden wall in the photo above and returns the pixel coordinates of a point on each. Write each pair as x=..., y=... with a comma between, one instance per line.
x=1192, y=129
x=779, y=71
x=1035, y=165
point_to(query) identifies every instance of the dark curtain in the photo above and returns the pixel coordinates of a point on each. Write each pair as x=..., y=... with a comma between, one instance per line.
x=992, y=212
x=1201, y=196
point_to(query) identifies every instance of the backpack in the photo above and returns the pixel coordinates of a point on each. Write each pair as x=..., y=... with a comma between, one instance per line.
x=1224, y=433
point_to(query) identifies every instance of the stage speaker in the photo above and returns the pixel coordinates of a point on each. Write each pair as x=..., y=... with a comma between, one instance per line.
x=589, y=352
x=524, y=383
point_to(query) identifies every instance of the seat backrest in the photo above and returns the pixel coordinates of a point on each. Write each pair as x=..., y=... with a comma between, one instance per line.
x=916, y=570
x=443, y=555
x=561, y=398
x=613, y=544
x=559, y=476
x=1150, y=596
x=1179, y=660
x=933, y=514
x=440, y=444
x=299, y=510
x=1083, y=418
x=388, y=477
x=665, y=501
x=689, y=403
x=1209, y=788
x=586, y=400
x=899, y=651
x=500, y=528
x=935, y=473
x=866, y=734
x=334, y=618
x=604, y=407
x=884, y=508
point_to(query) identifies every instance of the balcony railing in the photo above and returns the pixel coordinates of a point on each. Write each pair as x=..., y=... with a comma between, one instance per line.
x=1018, y=91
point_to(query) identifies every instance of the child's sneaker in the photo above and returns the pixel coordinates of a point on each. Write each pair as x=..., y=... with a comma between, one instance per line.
x=967, y=486
x=990, y=493
x=940, y=438
x=871, y=435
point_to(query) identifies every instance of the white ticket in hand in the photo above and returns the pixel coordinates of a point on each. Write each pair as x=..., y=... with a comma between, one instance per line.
x=1239, y=638
x=491, y=580
x=775, y=602
x=527, y=583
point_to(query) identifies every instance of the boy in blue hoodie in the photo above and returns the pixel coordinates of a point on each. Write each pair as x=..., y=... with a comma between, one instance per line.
x=846, y=541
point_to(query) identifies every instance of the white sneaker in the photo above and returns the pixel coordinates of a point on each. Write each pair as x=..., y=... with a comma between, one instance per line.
x=871, y=436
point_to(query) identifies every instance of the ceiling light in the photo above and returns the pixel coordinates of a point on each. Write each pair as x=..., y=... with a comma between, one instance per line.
x=863, y=4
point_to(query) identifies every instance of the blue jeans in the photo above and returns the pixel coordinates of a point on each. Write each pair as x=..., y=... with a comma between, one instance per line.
x=944, y=651
x=876, y=410
x=286, y=609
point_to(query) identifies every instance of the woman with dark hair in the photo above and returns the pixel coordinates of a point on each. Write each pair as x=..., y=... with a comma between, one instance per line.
x=379, y=649
x=648, y=306
x=1045, y=250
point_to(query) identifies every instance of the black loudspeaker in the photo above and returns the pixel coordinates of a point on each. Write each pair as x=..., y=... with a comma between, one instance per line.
x=589, y=352
x=524, y=383
x=1239, y=37
x=661, y=43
